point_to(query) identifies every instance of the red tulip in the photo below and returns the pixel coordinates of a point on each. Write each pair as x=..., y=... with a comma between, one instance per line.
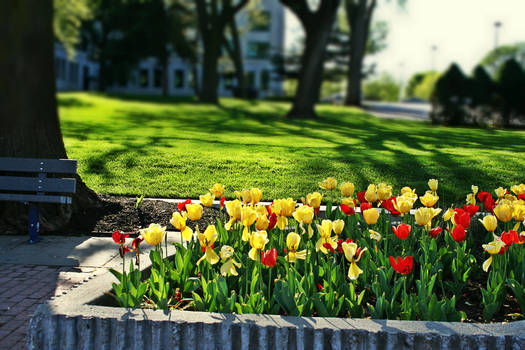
x=119, y=237
x=389, y=205
x=462, y=217
x=522, y=196
x=328, y=246
x=269, y=258
x=402, y=265
x=458, y=233
x=136, y=243
x=510, y=237
x=340, y=244
x=361, y=197
x=365, y=206
x=487, y=200
x=402, y=231
x=348, y=210
x=471, y=209
x=272, y=221
x=223, y=199
x=182, y=205
x=435, y=232
x=320, y=287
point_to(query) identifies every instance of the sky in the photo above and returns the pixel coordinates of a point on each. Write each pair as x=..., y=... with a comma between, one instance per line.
x=462, y=30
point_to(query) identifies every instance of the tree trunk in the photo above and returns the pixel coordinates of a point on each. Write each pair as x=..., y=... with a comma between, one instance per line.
x=28, y=106
x=210, y=72
x=311, y=73
x=235, y=53
x=359, y=17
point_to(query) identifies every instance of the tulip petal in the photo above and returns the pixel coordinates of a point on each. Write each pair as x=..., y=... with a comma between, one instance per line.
x=487, y=263
x=354, y=271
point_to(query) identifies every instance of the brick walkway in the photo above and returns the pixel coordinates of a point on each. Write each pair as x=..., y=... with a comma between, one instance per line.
x=22, y=289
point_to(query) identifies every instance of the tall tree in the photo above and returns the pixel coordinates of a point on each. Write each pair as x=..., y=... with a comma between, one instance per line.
x=234, y=49
x=67, y=22
x=317, y=25
x=28, y=107
x=213, y=17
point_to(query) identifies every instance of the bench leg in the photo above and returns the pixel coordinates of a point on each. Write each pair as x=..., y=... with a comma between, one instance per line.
x=34, y=223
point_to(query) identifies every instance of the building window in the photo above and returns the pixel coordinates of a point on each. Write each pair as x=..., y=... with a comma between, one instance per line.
x=258, y=49
x=144, y=78
x=158, y=78
x=179, y=79
x=265, y=80
x=259, y=21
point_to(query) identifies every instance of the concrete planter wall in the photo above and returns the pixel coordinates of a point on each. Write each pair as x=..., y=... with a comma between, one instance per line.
x=70, y=322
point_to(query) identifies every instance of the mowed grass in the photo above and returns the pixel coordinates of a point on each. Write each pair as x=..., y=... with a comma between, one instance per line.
x=167, y=147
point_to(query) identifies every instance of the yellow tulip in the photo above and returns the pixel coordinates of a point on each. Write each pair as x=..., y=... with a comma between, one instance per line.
x=328, y=184
x=154, y=234
x=353, y=254
x=490, y=223
x=348, y=201
x=492, y=248
x=217, y=190
x=384, y=191
x=207, y=199
x=258, y=241
x=283, y=207
x=433, y=184
x=500, y=192
x=503, y=212
x=471, y=199
x=519, y=212
x=292, y=242
x=338, y=226
x=194, y=211
x=256, y=195
x=449, y=214
x=179, y=222
x=474, y=189
x=261, y=210
x=248, y=217
x=207, y=240
x=246, y=196
x=262, y=223
x=234, y=211
x=325, y=230
x=304, y=216
x=518, y=189
x=371, y=193
x=347, y=189
x=429, y=199
x=228, y=268
x=375, y=235
x=424, y=216
x=408, y=190
x=371, y=216
x=314, y=199
x=403, y=205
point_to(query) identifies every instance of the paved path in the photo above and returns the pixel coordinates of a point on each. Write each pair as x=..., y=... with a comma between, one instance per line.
x=403, y=111
x=31, y=274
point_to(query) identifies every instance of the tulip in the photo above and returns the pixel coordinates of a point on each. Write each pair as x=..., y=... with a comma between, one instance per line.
x=246, y=196
x=256, y=195
x=314, y=199
x=207, y=242
x=269, y=258
x=228, y=268
x=402, y=231
x=248, y=217
x=384, y=191
x=153, y=234
x=258, y=241
x=179, y=222
x=262, y=223
x=353, y=254
x=424, y=216
x=338, y=226
x=375, y=235
x=489, y=222
x=458, y=233
x=283, y=208
x=328, y=184
x=493, y=248
x=304, y=215
x=435, y=232
x=217, y=190
x=448, y=214
x=182, y=205
x=402, y=265
x=194, y=211
x=429, y=199
x=461, y=217
x=471, y=198
x=223, y=199
x=348, y=210
x=371, y=194
x=403, y=205
x=408, y=190
x=365, y=206
x=273, y=221
x=389, y=205
x=234, y=210
x=519, y=212
x=500, y=192
x=349, y=201
x=510, y=237
x=347, y=189
x=471, y=209
x=487, y=200
x=433, y=184
x=325, y=230
x=292, y=243
x=518, y=189
x=371, y=216
x=119, y=237
x=207, y=199
x=503, y=212
x=361, y=197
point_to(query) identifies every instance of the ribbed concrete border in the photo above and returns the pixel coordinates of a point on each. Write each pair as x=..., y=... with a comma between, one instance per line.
x=69, y=322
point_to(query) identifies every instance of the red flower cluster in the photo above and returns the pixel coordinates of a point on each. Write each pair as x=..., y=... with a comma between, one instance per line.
x=402, y=265
x=487, y=200
x=462, y=217
x=365, y=206
x=435, y=232
x=361, y=197
x=458, y=233
x=510, y=237
x=471, y=209
x=182, y=205
x=389, y=205
x=272, y=221
x=402, y=231
x=269, y=258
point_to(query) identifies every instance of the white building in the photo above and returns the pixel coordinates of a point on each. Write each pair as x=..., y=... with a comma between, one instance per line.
x=259, y=43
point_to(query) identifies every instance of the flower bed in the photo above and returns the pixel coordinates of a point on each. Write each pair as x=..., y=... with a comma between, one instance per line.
x=383, y=259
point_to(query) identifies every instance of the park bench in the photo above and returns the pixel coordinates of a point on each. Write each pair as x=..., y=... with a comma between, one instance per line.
x=34, y=181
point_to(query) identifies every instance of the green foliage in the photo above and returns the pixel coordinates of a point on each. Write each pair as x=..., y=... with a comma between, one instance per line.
x=482, y=87
x=495, y=58
x=131, y=289
x=67, y=22
x=511, y=85
x=451, y=92
x=426, y=87
x=384, y=88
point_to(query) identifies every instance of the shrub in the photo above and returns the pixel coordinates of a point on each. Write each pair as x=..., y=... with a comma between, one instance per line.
x=384, y=88
x=421, y=85
x=450, y=97
x=511, y=86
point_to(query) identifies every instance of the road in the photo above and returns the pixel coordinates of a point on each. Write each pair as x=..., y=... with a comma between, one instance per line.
x=399, y=110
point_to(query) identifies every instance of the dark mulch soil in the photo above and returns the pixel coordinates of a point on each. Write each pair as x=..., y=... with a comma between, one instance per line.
x=120, y=213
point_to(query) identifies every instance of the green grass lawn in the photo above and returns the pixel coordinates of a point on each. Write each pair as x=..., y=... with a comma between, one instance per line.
x=178, y=148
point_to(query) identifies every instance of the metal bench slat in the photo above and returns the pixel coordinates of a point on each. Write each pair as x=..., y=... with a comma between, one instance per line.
x=20, y=183
x=64, y=166
x=35, y=198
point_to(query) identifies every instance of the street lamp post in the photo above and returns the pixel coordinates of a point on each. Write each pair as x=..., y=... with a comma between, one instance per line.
x=434, y=50
x=497, y=26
